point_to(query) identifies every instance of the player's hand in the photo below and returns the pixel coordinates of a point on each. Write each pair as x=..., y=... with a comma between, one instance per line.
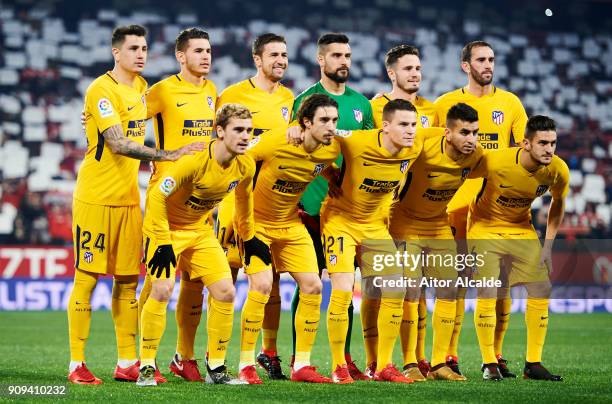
x=256, y=247
x=334, y=190
x=295, y=135
x=161, y=260
x=191, y=148
x=546, y=257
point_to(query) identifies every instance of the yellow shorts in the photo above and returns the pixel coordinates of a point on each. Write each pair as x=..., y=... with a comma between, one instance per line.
x=291, y=248
x=198, y=253
x=344, y=239
x=107, y=238
x=518, y=250
x=431, y=248
x=225, y=230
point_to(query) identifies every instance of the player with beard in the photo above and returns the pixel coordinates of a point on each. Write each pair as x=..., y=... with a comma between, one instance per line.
x=355, y=112
x=502, y=121
x=500, y=229
x=270, y=104
x=403, y=66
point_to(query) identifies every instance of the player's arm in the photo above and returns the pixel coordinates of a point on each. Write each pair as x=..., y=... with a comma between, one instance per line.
x=245, y=222
x=519, y=123
x=481, y=168
x=556, y=212
x=368, y=117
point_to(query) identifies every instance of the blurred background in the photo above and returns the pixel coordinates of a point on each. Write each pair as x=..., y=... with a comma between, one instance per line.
x=559, y=63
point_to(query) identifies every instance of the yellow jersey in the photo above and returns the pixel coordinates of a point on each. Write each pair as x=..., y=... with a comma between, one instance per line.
x=188, y=191
x=270, y=110
x=283, y=173
x=426, y=112
x=508, y=190
x=182, y=113
x=105, y=178
x=432, y=181
x=370, y=175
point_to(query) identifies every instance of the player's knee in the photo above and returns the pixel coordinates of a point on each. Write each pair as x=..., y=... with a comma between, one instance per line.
x=541, y=290
x=312, y=286
x=224, y=293
x=162, y=291
x=412, y=294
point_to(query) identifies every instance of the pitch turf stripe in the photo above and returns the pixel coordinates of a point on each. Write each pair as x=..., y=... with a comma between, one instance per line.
x=160, y=130
x=99, y=147
x=78, y=247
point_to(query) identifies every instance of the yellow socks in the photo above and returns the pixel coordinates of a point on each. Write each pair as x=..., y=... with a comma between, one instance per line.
x=369, y=323
x=443, y=323
x=153, y=324
x=502, y=310
x=271, y=320
x=125, y=317
x=459, y=314
x=389, y=322
x=536, y=319
x=79, y=313
x=484, y=320
x=219, y=326
x=422, y=327
x=408, y=331
x=307, y=319
x=188, y=315
x=251, y=319
x=337, y=324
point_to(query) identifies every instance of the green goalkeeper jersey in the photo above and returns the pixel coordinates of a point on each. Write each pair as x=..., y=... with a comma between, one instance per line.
x=354, y=113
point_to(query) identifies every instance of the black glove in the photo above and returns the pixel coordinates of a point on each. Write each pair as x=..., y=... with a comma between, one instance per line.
x=256, y=247
x=162, y=259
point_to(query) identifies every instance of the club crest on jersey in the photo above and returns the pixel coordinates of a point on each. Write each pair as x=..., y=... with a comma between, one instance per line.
x=404, y=165
x=317, y=170
x=285, y=113
x=541, y=190
x=358, y=115
x=105, y=107
x=211, y=103
x=167, y=185
x=424, y=121
x=498, y=117
x=232, y=186
x=88, y=257
x=464, y=173
x=333, y=259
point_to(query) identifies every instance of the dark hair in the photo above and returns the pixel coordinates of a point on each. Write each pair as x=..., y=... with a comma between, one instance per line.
x=396, y=105
x=330, y=38
x=539, y=123
x=262, y=40
x=120, y=33
x=461, y=112
x=466, y=52
x=395, y=53
x=309, y=106
x=185, y=35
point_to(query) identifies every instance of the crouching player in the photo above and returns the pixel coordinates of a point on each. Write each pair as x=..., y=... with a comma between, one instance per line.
x=176, y=225
x=500, y=225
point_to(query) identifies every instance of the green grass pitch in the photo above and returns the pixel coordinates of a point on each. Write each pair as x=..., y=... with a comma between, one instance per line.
x=34, y=350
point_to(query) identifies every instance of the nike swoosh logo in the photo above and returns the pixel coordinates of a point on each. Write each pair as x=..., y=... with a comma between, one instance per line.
x=197, y=306
x=481, y=316
x=311, y=322
x=131, y=108
x=368, y=329
x=336, y=314
x=249, y=321
x=254, y=112
x=505, y=186
x=368, y=164
x=543, y=318
x=149, y=339
x=283, y=167
x=504, y=314
x=394, y=316
x=432, y=176
x=178, y=104
x=178, y=365
x=223, y=342
x=200, y=187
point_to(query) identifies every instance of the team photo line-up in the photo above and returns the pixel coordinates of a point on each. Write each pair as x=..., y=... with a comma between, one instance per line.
x=300, y=185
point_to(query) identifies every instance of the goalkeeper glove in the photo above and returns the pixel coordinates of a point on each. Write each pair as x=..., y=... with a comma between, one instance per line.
x=162, y=259
x=256, y=247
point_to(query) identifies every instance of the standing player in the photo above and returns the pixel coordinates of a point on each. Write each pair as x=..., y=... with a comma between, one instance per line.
x=500, y=224
x=176, y=221
x=106, y=212
x=183, y=110
x=420, y=220
x=270, y=104
x=284, y=173
x=375, y=164
x=403, y=66
x=355, y=112
x=502, y=120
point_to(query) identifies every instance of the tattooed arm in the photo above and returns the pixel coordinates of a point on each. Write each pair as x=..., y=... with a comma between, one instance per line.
x=119, y=144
